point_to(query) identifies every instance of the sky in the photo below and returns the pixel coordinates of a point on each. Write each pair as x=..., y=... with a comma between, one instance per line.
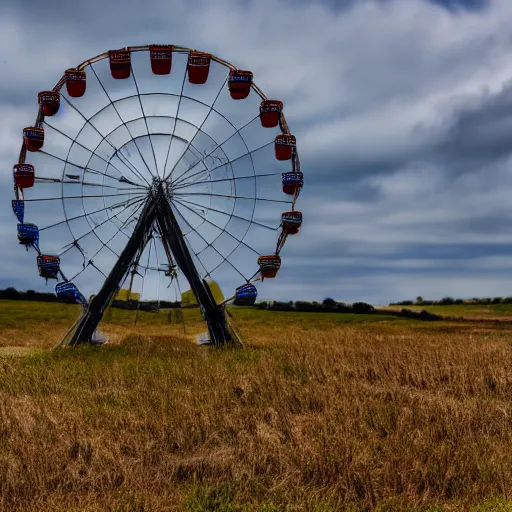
x=402, y=111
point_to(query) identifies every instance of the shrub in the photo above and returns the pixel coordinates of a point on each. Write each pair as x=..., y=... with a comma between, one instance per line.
x=329, y=303
x=362, y=308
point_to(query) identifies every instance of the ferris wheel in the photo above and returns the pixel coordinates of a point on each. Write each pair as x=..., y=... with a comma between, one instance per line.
x=152, y=164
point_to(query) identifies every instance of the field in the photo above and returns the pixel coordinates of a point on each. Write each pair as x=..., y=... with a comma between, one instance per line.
x=318, y=412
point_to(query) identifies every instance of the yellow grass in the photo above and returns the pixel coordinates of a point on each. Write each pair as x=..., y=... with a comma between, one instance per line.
x=317, y=412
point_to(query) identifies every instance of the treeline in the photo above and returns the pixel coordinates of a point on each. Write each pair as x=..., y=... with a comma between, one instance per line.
x=331, y=306
x=327, y=306
x=13, y=294
x=450, y=301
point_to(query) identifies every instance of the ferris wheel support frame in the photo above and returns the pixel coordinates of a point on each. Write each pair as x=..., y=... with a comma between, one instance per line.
x=156, y=209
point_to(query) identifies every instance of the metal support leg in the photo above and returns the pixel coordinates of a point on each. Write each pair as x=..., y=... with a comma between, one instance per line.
x=173, y=236
x=92, y=316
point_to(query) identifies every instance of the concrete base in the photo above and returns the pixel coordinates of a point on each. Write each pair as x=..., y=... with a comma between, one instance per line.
x=203, y=339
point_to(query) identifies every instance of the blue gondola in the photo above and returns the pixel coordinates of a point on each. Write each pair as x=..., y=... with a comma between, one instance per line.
x=246, y=295
x=292, y=181
x=68, y=292
x=28, y=234
x=49, y=266
x=18, y=207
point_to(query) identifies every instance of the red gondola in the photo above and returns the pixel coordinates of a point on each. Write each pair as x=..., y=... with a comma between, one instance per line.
x=49, y=266
x=33, y=137
x=270, y=113
x=49, y=101
x=120, y=63
x=292, y=181
x=160, y=56
x=269, y=265
x=239, y=83
x=198, y=67
x=291, y=222
x=284, y=144
x=75, y=82
x=24, y=175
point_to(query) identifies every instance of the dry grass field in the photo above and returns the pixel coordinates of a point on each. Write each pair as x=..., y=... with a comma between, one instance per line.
x=318, y=412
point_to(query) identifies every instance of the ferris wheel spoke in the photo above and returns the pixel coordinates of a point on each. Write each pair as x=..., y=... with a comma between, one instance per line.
x=128, y=164
x=199, y=129
x=74, y=141
x=76, y=197
x=104, y=245
x=93, y=265
x=227, y=179
x=81, y=167
x=250, y=221
x=81, y=216
x=90, y=263
x=218, y=145
x=82, y=183
x=213, y=158
x=179, y=180
x=231, y=197
x=175, y=119
x=145, y=120
x=133, y=203
x=206, y=169
x=224, y=259
x=127, y=221
x=122, y=121
x=222, y=229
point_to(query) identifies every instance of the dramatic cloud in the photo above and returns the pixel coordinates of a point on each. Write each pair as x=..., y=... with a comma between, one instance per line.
x=402, y=111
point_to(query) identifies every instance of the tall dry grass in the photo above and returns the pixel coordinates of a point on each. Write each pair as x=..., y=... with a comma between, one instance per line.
x=313, y=415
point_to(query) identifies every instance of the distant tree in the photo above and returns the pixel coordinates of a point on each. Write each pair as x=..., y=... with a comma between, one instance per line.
x=308, y=306
x=329, y=303
x=497, y=300
x=282, y=306
x=446, y=301
x=362, y=308
x=419, y=299
x=341, y=307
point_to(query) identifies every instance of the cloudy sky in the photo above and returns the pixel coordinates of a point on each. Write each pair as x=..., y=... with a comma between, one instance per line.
x=402, y=111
